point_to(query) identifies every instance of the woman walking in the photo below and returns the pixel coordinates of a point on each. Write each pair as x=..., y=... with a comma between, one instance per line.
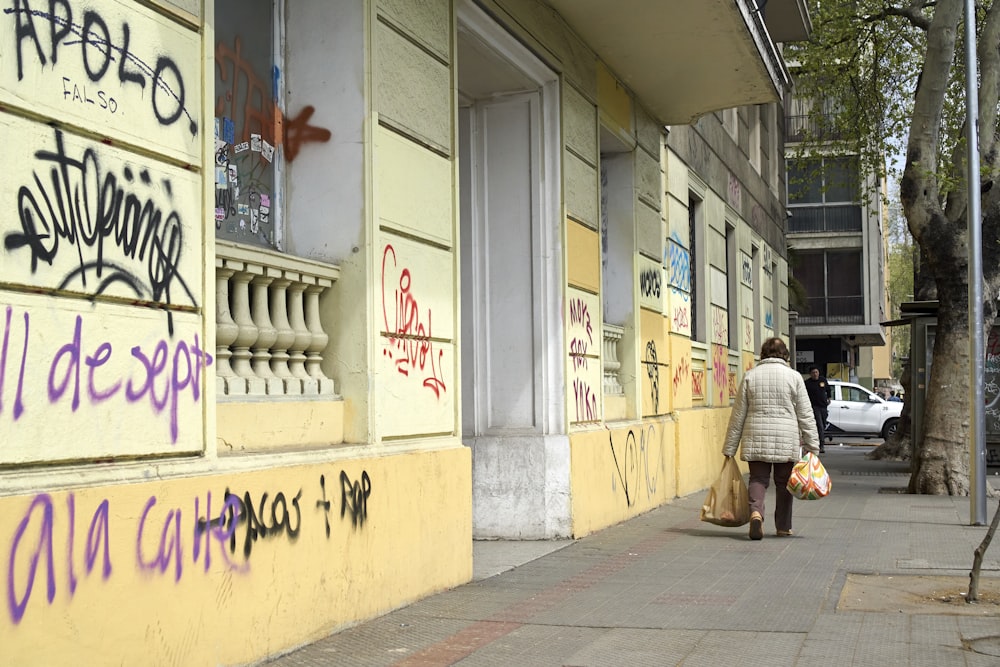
x=774, y=420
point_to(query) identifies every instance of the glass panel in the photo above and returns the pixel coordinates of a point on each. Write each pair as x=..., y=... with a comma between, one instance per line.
x=844, y=269
x=246, y=118
x=842, y=179
x=809, y=270
x=804, y=182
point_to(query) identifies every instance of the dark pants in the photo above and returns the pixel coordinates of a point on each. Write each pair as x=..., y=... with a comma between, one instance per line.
x=820, y=414
x=760, y=474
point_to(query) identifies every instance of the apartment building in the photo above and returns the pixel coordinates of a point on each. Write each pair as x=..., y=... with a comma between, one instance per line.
x=836, y=223
x=302, y=297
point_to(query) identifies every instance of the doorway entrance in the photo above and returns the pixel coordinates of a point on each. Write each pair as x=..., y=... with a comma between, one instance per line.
x=513, y=377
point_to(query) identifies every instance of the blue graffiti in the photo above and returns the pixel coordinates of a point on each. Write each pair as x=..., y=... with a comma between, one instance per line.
x=679, y=265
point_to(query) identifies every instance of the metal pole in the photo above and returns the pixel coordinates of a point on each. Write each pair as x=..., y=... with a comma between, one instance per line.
x=977, y=350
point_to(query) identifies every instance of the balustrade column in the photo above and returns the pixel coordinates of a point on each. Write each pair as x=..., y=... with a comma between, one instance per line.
x=285, y=338
x=266, y=332
x=297, y=351
x=247, y=336
x=319, y=338
x=225, y=334
x=612, y=335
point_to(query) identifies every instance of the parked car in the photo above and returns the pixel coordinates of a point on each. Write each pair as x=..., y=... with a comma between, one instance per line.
x=856, y=411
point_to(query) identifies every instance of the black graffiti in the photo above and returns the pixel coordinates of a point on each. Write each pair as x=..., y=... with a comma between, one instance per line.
x=354, y=496
x=628, y=467
x=83, y=206
x=649, y=283
x=98, y=50
x=226, y=199
x=254, y=519
x=653, y=373
x=637, y=461
x=324, y=504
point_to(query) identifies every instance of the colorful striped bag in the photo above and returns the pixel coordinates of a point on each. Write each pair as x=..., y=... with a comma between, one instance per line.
x=809, y=479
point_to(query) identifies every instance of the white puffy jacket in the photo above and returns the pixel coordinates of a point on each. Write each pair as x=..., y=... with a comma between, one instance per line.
x=771, y=415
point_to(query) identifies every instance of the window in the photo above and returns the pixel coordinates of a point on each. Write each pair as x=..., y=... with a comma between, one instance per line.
x=824, y=195
x=248, y=166
x=698, y=325
x=833, y=282
x=732, y=287
x=805, y=119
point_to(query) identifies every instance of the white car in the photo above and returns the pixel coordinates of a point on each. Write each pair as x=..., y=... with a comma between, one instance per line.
x=856, y=411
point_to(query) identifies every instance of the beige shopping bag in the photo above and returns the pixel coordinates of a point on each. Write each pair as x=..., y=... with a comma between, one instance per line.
x=728, y=501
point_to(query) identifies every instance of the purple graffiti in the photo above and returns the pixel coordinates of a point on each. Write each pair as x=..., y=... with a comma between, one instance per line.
x=160, y=377
x=18, y=400
x=170, y=546
x=221, y=530
x=97, y=546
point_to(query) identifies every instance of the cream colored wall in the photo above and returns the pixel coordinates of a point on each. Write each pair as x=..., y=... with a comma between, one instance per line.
x=414, y=267
x=105, y=351
x=180, y=573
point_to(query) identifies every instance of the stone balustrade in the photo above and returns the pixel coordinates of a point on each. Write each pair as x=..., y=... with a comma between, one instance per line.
x=612, y=382
x=268, y=333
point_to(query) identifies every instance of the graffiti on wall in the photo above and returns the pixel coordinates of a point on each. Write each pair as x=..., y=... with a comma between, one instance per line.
x=678, y=264
x=49, y=35
x=649, y=283
x=682, y=372
x=249, y=128
x=100, y=224
x=653, y=374
x=698, y=383
x=720, y=326
x=637, y=464
x=581, y=343
x=161, y=376
x=409, y=336
x=161, y=537
x=680, y=311
x=720, y=374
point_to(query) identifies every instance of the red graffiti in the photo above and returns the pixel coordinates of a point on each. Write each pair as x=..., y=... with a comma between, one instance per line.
x=720, y=371
x=698, y=384
x=586, y=401
x=682, y=371
x=681, y=320
x=578, y=353
x=410, y=343
x=248, y=101
x=732, y=384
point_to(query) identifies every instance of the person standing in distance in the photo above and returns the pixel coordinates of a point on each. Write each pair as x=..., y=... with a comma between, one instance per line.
x=820, y=396
x=771, y=423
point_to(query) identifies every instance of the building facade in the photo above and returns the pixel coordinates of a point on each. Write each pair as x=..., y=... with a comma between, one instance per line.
x=345, y=285
x=836, y=232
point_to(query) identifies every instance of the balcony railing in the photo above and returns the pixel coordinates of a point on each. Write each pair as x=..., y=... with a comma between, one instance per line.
x=612, y=380
x=830, y=218
x=834, y=310
x=269, y=338
x=817, y=128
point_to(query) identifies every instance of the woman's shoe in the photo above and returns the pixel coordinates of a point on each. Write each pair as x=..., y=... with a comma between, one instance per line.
x=784, y=533
x=756, y=526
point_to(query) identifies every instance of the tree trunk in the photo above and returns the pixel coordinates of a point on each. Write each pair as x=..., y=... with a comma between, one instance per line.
x=941, y=460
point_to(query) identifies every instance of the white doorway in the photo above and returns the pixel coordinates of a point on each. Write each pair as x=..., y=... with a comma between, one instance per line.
x=513, y=378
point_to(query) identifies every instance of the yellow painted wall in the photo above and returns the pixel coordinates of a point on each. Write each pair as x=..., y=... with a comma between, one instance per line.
x=614, y=100
x=583, y=257
x=655, y=364
x=700, y=436
x=621, y=472
x=133, y=575
x=260, y=426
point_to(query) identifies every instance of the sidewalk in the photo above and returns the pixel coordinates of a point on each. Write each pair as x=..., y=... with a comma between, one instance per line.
x=666, y=589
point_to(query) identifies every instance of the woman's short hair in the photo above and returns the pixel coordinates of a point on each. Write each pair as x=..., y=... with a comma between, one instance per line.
x=774, y=348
